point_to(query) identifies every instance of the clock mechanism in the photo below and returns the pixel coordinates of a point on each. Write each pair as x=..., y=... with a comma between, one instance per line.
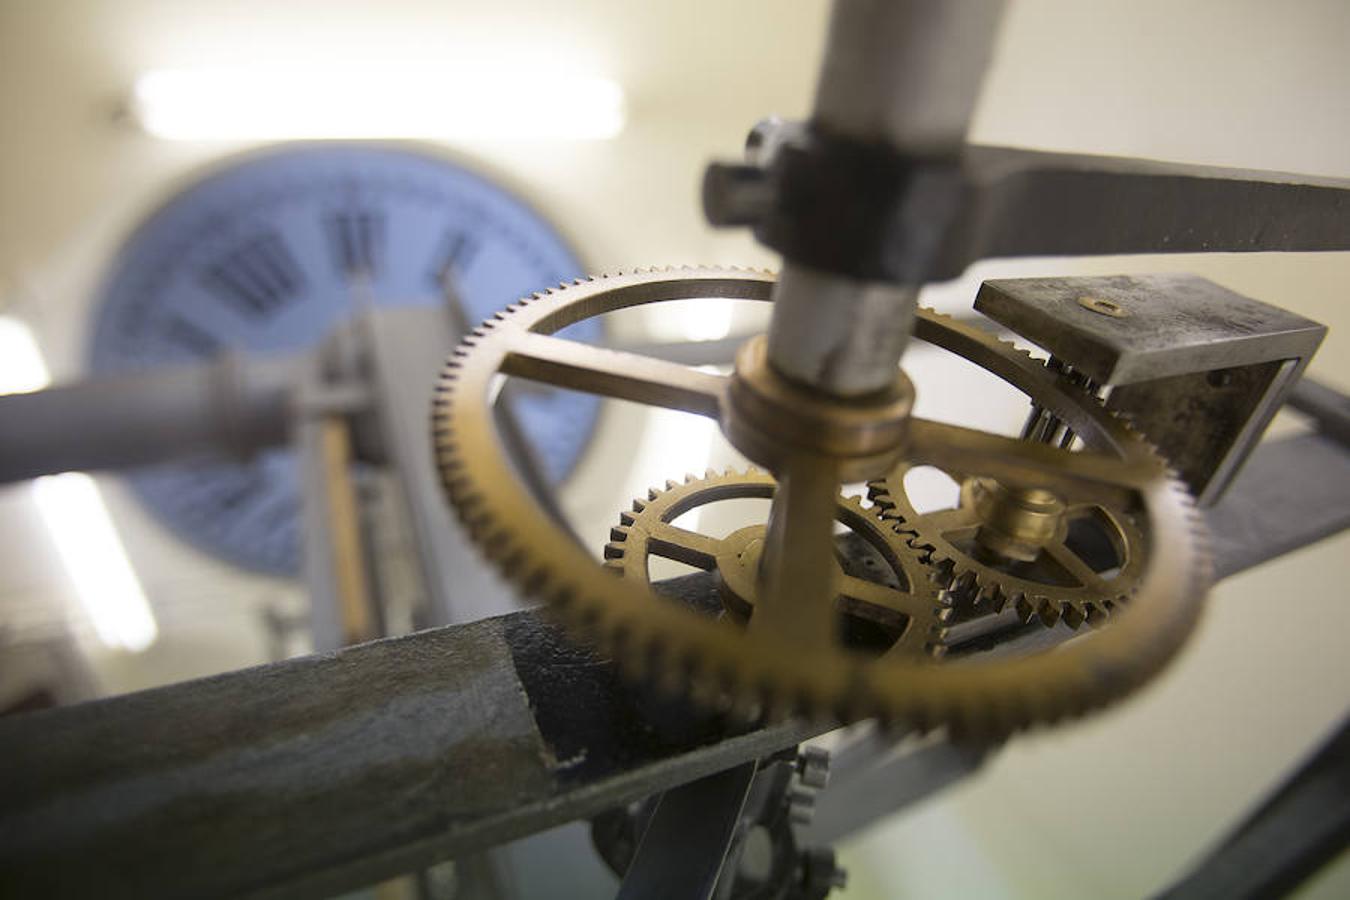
x=670, y=713
x=267, y=254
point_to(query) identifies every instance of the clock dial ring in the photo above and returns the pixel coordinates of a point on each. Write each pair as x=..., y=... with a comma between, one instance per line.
x=267, y=254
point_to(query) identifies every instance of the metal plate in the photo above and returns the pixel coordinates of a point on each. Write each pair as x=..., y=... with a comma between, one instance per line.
x=1155, y=325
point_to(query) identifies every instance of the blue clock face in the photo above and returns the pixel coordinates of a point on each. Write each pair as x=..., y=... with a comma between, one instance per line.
x=268, y=255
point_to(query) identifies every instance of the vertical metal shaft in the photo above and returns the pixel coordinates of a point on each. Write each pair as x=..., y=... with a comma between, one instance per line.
x=796, y=597
x=357, y=616
x=905, y=73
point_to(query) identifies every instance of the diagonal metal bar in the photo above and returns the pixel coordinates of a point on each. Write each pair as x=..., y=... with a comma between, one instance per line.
x=685, y=845
x=614, y=373
x=317, y=775
x=1300, y=828
x=1291, y=493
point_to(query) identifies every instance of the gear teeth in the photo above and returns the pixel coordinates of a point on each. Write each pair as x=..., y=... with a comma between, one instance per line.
x=707, y=667
x=1073, y=616
x=1047, y=611
x=997, y=598
x=1098, y=614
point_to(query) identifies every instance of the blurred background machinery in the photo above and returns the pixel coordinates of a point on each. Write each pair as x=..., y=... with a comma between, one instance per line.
x=280, y=263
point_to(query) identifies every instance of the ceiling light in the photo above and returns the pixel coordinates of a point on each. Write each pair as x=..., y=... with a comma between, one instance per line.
x=272, y=103
x=77, y=518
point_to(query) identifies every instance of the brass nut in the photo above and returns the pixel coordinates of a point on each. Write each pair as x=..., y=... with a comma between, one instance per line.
x=1014, y=523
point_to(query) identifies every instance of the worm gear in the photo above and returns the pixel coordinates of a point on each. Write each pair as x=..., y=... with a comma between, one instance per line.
x=810, y=672
x=1086, y=565
x=886, y=598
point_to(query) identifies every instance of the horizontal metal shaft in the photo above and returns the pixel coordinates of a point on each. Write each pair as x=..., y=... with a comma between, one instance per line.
x=225, y=408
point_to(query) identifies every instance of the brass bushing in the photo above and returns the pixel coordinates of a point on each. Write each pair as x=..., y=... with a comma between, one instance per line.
x=769, y=417
x=1014, y=523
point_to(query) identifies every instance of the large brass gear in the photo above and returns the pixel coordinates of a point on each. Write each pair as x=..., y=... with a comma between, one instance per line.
x=909, y=613
x=650, y=636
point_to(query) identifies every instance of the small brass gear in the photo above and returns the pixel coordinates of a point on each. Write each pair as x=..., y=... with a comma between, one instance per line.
x=887, y=599
x=651, y=637
x=1061, y=584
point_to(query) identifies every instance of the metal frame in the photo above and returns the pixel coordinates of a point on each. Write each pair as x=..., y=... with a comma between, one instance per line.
x=321, y=774
x=314, y=775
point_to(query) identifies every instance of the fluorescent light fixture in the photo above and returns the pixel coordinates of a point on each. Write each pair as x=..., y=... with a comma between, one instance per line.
x=22, y=368
x=77, y=518
x=78, y=521
x=273, y=103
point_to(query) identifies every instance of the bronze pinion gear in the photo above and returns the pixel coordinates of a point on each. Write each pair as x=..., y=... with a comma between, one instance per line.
x=897, y=609
x=649, y=636
x=1061, y=582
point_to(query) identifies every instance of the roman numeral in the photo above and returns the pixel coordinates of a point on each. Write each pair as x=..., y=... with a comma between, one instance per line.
x=191, y=337
x=257, y=278
x=453, y=258
x=227, y=492
x=357, y=238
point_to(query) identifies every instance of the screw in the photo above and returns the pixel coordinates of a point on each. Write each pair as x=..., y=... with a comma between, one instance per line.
x=1103, y=306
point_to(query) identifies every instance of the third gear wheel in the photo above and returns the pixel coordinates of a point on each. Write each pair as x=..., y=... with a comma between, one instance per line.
x=886, y=598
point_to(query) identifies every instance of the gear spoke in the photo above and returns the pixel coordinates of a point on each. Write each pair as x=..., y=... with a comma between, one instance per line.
x=682, y=545
x=873, y=596
x=614, y=373
x=1073, y=564
x=953, y=524
x=1077, y=475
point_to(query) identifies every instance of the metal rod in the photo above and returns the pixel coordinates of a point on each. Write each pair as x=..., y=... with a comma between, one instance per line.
x=221, y=408
x=344, y=530
x=907, y=72
x=1325, y=405
x=314, y=776
x=798, y=568
x=685, y=844
x=1300, y=828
